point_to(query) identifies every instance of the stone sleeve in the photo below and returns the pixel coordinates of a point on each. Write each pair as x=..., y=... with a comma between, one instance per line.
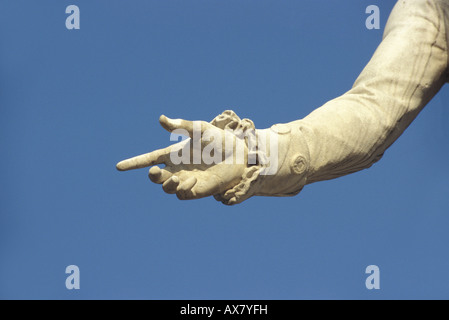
x=409, y=67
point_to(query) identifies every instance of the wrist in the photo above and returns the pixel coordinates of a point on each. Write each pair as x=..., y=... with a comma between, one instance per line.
x=289, y=161
x=278, y=160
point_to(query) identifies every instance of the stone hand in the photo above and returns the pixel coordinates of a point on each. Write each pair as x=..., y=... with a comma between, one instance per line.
x=228, y=159
x=205, y=164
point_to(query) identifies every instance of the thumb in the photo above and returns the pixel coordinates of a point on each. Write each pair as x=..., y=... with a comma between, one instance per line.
x=191, y=127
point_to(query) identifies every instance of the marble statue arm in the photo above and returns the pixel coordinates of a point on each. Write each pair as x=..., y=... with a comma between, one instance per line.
x=409, y=67
x=343, y=136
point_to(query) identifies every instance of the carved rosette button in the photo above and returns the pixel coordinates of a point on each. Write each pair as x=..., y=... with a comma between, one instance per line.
x=299, y=165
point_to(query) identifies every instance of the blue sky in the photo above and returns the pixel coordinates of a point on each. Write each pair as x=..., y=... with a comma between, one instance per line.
x=73, y=103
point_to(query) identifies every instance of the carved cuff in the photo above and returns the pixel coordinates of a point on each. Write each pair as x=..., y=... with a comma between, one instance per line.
x=278, y=159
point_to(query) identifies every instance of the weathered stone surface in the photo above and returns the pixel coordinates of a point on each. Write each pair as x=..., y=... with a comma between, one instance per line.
x=231, y=160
